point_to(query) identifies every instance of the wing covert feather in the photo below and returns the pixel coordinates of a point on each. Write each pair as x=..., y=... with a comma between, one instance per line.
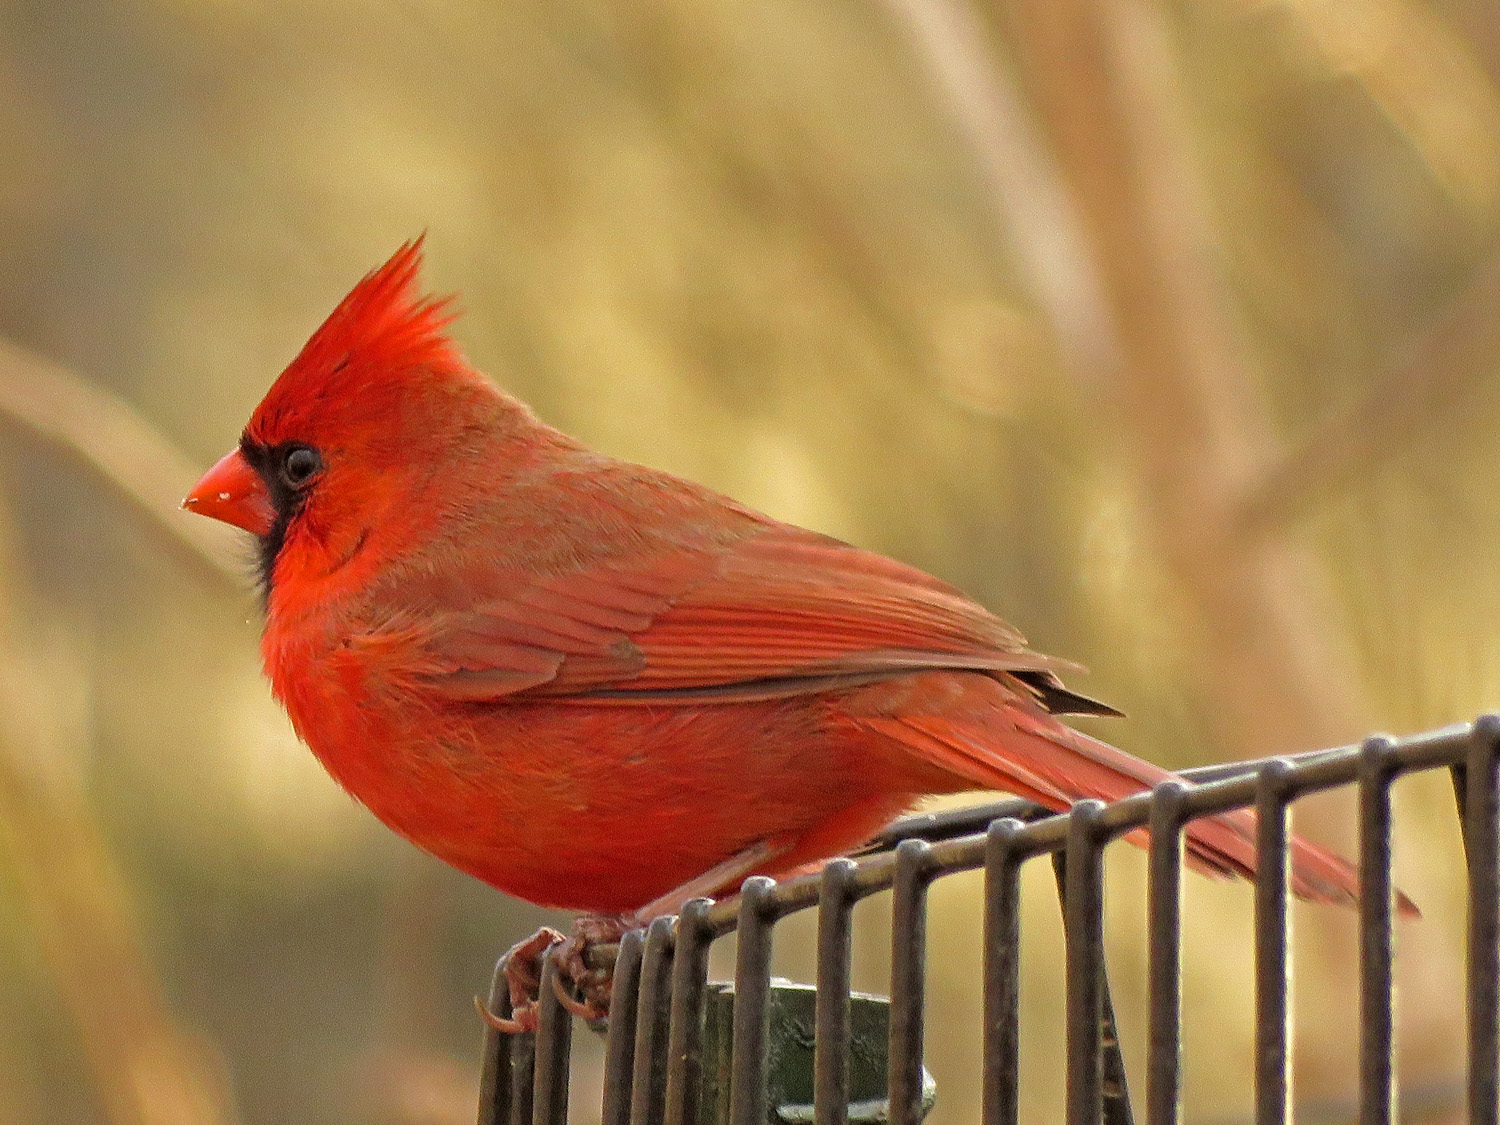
x=797, y=609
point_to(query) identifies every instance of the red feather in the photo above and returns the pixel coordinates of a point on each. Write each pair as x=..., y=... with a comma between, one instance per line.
x=377, y=335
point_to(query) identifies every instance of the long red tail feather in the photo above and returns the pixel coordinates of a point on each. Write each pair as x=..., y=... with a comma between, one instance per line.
x=1043, y=760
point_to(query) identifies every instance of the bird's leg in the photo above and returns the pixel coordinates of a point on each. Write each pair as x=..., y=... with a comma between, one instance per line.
x=523, y=978
x=593, y=986
x=721, y=875
x=523, y=964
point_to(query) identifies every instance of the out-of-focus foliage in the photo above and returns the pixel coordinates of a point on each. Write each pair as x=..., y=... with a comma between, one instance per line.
x=754, y=244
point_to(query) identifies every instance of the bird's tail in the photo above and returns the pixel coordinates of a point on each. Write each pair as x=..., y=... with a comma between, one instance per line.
x=1043, y=760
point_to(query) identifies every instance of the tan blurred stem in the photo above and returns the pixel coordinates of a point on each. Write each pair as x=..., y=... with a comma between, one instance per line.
x=120, y=446
x=1430, y=384
x=1034, y=215
x=1102, y=76
x=1137, y=337
x=146, y=1070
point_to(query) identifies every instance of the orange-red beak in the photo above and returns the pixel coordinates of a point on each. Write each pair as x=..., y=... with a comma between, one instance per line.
x=232, y=491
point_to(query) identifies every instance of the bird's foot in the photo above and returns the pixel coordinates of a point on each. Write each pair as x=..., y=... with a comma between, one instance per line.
x=581, y=990
x=591, y=988
x=523, y=979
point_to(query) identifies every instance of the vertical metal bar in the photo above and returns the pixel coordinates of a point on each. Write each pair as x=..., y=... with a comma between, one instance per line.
x=1273, y=792
x=647, y=1081
x=831, y=1019
x=554, y=1040
x=752, y=986
x=494, y=1075
x=1083, y=916
x=522, y=1070
x=685, y=1034
x=1002, y=975
x=1377, y=1071
x=1481, y=825
x=619, y=1039
x=1164, y=935
x=908, y=981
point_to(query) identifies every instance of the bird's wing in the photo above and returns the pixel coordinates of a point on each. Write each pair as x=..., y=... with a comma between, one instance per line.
x=780, y=612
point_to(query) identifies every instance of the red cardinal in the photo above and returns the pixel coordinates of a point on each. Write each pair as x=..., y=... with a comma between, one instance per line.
x=597, y=686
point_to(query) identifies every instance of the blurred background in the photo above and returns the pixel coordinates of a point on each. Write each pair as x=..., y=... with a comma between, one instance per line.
x=1168, y=330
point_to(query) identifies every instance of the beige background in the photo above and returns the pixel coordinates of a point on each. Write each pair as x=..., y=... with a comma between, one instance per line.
x=1168, y=331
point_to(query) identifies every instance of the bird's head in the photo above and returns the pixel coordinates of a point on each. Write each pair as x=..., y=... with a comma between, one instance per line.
x=366, y=412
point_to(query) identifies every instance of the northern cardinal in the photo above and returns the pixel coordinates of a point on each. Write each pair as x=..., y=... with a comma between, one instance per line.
x=600, y=687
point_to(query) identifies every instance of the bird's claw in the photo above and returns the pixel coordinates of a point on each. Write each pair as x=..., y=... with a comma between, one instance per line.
x=523, y=979
x=523, y=1020
x=582, y=991
x=585, y=1009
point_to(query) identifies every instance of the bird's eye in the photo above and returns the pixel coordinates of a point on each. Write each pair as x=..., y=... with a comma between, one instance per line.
x=300, y=464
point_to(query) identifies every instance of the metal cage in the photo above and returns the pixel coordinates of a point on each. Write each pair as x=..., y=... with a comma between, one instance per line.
x=654, y=1054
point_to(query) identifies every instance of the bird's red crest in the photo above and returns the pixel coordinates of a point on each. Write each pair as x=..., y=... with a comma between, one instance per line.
x=384, y=328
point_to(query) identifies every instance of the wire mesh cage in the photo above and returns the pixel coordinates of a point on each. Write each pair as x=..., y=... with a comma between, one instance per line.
x=681, y=1051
